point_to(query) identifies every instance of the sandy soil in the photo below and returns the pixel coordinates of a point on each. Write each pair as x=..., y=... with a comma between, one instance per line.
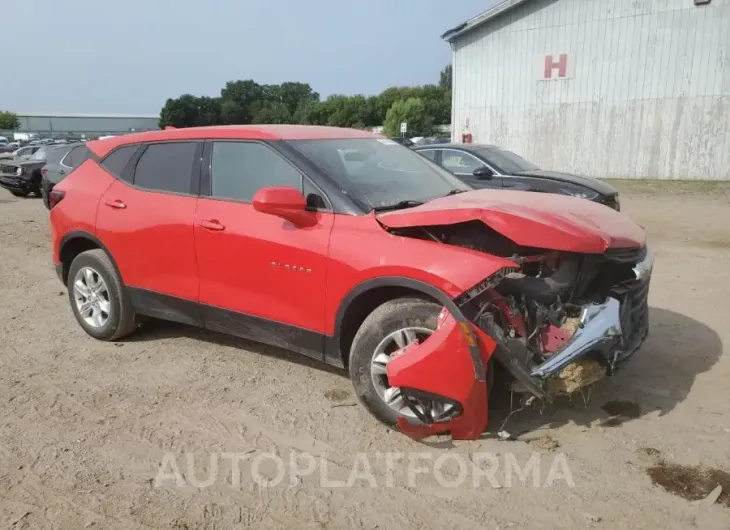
x=87, y=426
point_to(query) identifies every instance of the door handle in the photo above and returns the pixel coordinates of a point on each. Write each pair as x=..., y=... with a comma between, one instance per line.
x=117, y=204
x=61, y=172
x=213, y=225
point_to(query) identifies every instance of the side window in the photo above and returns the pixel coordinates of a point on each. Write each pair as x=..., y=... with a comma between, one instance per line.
x=166, y=167
x=75, y=157
x=240, y=169
x=115, y=162
x=429, y=153
x=459, y=162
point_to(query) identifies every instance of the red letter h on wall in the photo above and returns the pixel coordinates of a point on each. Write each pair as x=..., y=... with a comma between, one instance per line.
x=550, y=65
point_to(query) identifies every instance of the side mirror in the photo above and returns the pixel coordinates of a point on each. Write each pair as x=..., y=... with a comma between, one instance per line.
x=483, y=173
x=282, y=201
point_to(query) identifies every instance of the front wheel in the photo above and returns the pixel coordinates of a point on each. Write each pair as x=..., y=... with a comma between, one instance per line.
x=386, y=330
x=19, y=193
x=98, y=298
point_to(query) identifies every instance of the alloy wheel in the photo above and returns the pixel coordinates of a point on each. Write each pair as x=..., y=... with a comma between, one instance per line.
x=92, y=297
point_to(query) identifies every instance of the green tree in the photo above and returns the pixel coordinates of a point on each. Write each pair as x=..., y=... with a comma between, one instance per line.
x=231, y=112
x=389, y=96
x=413, y=112
x=345, y=111
x=296, y=95
x=438, y=103
x=9, y=120
x=209, y=111
x=271, y=112
x=190, y=111
x=245, y=101
x=446, y=78
x=238, y=99
x=179, y=112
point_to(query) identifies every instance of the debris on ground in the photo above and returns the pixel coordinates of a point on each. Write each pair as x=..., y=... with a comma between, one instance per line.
x=650, y=451
x=712, y=497
x=336, y=394
x=576, y=376
x=546, y=442
x=347, y=404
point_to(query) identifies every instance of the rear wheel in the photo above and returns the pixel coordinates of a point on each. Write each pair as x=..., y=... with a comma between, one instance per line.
x=386, y=330
x=98, y=299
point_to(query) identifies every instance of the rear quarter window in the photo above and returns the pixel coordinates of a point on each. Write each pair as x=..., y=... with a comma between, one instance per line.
x=76, y=156
x=118, y=159
x=166, y=167
x=56, y=155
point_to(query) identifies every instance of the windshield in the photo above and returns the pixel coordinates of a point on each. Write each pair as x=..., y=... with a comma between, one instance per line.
x=506, y=162
x=379, y=173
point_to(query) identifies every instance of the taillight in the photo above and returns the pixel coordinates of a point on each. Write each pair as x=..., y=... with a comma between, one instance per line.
x=55, y=197
x=43, y=172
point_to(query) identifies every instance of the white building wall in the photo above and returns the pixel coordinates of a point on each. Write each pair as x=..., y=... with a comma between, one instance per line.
x=646, y=93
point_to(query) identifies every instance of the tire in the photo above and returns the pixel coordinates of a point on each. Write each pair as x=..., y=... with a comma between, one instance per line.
x=19, y=193
x=384, y=320
x=121, y=319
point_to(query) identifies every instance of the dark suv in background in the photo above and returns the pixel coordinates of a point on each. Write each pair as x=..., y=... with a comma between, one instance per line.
x=489, y=166
x=60, y=161
x=22, y=176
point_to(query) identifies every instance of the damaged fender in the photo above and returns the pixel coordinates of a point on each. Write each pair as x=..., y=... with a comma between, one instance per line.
x=451, y=367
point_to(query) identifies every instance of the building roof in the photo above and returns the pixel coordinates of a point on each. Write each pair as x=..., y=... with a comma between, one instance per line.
x=481, y=19
x=67, y=115
x=232, y=132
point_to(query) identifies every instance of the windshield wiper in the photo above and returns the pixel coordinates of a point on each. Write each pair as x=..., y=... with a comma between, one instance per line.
x=454, y=192
x=398, y=205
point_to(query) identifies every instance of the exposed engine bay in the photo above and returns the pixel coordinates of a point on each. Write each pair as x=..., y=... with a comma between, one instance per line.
x=560, y=321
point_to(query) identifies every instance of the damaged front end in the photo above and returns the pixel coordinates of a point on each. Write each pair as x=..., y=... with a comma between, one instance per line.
x=557, y=322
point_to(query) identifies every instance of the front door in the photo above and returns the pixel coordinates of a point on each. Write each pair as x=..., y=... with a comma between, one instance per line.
x=261, y=276
x=463, y=165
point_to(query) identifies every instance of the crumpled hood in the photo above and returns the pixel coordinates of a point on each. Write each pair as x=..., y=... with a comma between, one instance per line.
x=530, y=219
x=604, y=188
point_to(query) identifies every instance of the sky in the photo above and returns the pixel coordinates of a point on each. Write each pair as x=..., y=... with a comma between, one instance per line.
x=129, y=56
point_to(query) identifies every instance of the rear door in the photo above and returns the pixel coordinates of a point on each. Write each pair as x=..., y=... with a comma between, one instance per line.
x=463, y=165
x=145, y=219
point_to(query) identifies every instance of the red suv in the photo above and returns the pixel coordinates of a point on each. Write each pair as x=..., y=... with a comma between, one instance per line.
x=351, y=249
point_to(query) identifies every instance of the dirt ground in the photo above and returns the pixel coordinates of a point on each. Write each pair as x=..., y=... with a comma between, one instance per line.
x=86, y=427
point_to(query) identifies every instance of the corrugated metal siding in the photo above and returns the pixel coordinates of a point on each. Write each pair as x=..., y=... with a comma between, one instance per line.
x=646, y=93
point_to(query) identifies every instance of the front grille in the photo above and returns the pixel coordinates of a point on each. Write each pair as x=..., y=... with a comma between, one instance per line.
x=630, y=256
x=9, y=170
x=634, y=316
